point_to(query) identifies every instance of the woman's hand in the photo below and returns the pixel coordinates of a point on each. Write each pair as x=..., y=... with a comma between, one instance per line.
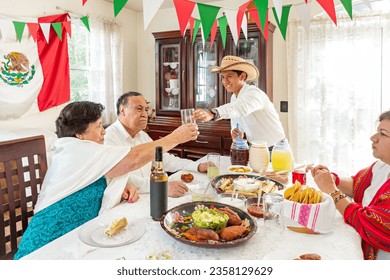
x=314, y=169
x=203, y=115
x=323, y=178
x=176, y=189
x=130, y=193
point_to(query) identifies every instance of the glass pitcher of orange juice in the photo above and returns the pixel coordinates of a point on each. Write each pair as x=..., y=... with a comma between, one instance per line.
x=282, y=158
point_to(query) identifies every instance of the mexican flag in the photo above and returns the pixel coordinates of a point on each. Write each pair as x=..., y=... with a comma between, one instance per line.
x=34, y=69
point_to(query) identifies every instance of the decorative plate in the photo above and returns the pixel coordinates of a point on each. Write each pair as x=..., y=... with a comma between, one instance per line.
x=92, y=233
x=170, y=225
x=241, y=169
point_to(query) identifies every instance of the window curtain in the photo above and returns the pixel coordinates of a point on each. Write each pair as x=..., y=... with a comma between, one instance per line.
x=335, y=90
x=106, y=62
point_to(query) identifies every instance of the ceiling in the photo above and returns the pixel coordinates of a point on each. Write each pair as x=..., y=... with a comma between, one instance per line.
x=137, y=5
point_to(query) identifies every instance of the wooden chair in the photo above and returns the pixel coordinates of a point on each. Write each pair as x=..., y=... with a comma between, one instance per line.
x=23, y=166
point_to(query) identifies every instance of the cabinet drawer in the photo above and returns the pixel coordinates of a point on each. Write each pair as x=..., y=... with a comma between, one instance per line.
x=204, y=141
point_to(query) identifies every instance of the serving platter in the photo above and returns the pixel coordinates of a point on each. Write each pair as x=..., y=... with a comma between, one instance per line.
x=169, y=223
x=218, y=181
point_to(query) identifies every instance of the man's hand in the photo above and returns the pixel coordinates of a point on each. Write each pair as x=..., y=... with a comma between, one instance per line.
x=176, y=189
x=202, y=167
x=236, y=132
x=130, y=193
x=203, y=115
x=186, y=132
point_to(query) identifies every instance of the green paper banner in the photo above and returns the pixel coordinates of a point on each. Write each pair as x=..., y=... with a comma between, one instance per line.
x=19, y=29
x=86, y=22
x=262, y=8
x=222, y=22
x=57, y=26
x=118, y=6
x=283, y=22
x=207, y=15
x=348, y=6
x=196, y=28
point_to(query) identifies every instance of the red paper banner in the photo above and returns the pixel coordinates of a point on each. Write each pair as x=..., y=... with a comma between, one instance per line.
x=184, y=10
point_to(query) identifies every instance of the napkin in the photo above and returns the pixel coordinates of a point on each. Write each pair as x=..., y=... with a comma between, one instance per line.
x=317, y=217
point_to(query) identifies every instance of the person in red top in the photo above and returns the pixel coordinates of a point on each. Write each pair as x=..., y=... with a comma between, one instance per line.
x=369, y=211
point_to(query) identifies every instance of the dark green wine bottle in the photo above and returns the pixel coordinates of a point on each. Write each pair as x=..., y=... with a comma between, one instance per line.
x=158, y=187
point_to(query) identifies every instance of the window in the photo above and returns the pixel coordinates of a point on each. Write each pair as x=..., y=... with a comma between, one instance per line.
x=95, y=59
x=79, y=61
x=338, y=86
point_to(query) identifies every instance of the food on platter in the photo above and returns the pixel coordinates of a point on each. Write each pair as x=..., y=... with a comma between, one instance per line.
x=210, y=224
x=187, y=177
x=248, y=186
x=240, y=169
x=309, y=257
x=234, y=219
x=232, y=232
x=115, y=227
x=209, y=218
x=200, y=234
x=304, y=195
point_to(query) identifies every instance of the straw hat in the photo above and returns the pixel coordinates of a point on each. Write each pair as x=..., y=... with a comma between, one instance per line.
x=231, y=62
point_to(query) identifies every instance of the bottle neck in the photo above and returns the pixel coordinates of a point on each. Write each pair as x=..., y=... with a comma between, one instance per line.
x=158, y=166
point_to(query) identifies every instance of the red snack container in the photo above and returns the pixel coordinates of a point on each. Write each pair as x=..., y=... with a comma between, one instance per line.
x=300, y=176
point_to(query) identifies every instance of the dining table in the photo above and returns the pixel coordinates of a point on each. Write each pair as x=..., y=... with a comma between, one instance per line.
x=341, y=243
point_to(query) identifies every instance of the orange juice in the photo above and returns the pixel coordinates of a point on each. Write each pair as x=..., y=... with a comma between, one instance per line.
x=282, y=160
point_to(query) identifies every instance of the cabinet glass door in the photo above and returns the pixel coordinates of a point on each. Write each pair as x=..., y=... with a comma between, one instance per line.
x=249, y=50
x=205, y=83
x=170, y=71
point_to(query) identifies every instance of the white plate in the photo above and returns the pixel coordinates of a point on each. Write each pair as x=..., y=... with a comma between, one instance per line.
x=240, y=166
x=294, y=253
x=93, y=233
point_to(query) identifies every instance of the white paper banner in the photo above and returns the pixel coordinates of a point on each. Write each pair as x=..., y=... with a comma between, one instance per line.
x=150, y=8
x=7, y=29
x=303, y=11
x=244, y=26
x=368, y=3
x=278, y=8
x=231, y=16
x=46, y=30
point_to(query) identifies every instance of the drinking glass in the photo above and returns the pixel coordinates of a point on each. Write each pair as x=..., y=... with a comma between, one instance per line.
x=273, y=214
x=187, y=116
x=213, y=164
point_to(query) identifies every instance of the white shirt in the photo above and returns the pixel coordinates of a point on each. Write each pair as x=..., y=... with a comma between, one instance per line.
x=255, y=114
x=117, y=135
x=380, y=173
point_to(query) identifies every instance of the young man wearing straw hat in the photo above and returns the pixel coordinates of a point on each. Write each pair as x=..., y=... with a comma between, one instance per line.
x=249, y=109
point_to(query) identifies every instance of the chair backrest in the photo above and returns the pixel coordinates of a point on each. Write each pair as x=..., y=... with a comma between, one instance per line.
x=23, y=166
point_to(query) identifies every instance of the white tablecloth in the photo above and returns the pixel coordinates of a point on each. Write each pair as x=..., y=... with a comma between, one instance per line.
x=343, y=243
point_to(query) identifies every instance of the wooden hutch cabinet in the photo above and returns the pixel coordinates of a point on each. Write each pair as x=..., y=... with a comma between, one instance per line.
x=183, y=80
